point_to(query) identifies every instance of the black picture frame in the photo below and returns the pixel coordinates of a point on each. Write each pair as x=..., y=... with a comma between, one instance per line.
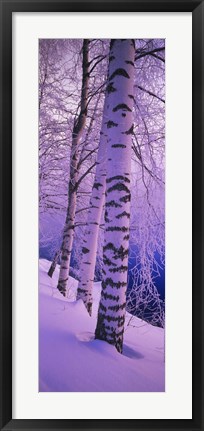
x=7, y=8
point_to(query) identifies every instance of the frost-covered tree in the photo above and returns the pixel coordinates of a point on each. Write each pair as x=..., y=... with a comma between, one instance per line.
x=60, y=103
x=54, y=120
x=119, y=125
x=147, y=234
x=147, y=143
x=68, y=234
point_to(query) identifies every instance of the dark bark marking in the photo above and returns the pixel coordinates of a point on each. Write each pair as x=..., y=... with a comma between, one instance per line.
x=97, y=185
x=117, y=284
x=108, y=262
x=122, y=106
x=121, y=268
x=113, y=204
x=119, y=72
x=51, y=271
x=131, y=96
x=117, y=307
x=123, y=214
x=119, y=253
x=112, y=43
x=118, y=146
x=106, y=216
x=85, y=250
x=125, y=198
x=64, y=258
x=111, y=124
x=119, y=319
x=119, y=187
x=118, y=177
x=103, y=308
x=109, y=296
x=109, y=246
x=80, y=290
x=89, y=307
x=130, y=131
x=110, y=88
x=129, y=62
x=61, y=286
x=112, y=337
x=117, y=229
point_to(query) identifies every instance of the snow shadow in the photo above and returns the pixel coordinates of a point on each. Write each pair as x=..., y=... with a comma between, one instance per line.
x=131, y=353
x=102, y=346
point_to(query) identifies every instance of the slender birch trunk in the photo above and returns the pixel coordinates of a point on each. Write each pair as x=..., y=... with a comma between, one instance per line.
x=111, y=314
x=68, y=234
x=54, y=263
x=81, y=160
x=90, y=241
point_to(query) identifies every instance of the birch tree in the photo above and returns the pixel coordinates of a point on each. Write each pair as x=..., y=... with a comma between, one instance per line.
x=60, y=103
x=54, y=117
x=111, y=313
x=68, y=234
x=90, y=241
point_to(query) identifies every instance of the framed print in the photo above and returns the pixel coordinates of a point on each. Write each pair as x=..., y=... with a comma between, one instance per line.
x=101, y=215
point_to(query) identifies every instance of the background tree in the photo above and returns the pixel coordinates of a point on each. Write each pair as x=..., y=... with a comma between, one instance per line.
x=90, y=241
x=145, y=298
x=68, y=233
x=81, y=153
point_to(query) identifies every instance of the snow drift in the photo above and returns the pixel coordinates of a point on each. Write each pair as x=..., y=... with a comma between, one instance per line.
x=71, y=360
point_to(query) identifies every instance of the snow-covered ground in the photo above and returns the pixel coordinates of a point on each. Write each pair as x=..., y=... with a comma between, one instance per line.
x=71, y=360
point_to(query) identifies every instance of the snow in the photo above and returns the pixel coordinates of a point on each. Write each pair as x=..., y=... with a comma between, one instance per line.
x=71, y=360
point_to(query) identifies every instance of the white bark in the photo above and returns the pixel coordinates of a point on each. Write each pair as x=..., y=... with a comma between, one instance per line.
x=111, y=314
x=90, y=241
x=68, y=234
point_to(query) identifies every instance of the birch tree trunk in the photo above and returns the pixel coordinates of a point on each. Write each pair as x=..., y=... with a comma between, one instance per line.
x=68, y=234
x=111, y=313
x=90, y=241
x=54, y=263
